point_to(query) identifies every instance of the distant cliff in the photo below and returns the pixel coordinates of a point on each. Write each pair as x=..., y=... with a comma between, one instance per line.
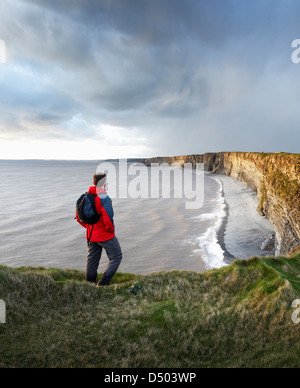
x=274, y=177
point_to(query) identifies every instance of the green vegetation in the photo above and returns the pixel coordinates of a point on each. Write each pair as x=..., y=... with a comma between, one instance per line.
x=239, y=316
x=284, y=187
x=264, y=197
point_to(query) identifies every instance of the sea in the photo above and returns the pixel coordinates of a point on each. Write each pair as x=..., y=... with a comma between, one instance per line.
x=38, y=229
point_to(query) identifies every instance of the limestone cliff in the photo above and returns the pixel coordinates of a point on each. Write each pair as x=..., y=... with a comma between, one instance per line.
x=274, y=177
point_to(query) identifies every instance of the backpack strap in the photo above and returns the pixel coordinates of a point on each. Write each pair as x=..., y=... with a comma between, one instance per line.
x=89, y=238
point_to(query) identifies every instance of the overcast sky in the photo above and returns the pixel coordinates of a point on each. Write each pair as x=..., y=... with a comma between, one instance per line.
x=93, y=79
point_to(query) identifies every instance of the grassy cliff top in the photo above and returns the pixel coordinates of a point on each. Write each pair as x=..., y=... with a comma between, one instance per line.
x=239, y=316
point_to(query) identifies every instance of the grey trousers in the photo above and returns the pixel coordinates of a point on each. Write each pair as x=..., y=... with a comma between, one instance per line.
x=114, y=254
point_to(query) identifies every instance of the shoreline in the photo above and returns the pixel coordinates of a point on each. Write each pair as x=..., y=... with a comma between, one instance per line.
x=243, y=230
x=228, y=257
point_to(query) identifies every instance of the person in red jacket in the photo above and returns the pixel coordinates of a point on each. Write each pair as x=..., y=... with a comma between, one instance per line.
x=102, y=236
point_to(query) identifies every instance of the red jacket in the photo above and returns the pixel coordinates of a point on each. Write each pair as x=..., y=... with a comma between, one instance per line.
x=104, y=230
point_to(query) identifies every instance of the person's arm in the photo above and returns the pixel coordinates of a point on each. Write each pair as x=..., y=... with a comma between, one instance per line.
x=82, y=224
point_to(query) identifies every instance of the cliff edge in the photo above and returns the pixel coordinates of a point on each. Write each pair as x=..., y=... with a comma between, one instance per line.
x=274, y=177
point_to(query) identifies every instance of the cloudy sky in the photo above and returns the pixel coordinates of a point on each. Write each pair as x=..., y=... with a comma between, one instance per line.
x=92, y=79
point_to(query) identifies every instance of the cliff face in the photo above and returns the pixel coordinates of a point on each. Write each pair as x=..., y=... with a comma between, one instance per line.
x=274, y=177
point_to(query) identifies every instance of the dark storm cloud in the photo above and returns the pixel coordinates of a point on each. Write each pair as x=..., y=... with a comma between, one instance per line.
x=191, y=75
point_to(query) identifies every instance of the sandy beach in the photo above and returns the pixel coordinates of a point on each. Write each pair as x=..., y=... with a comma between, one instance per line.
x=243, y=230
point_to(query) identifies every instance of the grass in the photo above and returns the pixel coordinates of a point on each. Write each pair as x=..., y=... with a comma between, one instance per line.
x=239, y=316
x=283, y=186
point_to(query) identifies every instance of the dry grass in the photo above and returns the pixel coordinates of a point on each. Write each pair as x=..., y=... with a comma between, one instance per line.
x=239, y=316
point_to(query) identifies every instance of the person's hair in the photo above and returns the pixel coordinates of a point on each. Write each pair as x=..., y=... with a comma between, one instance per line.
x=100, y=177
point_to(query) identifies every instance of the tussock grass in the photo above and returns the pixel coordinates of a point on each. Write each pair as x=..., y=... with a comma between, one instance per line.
x=239, y=316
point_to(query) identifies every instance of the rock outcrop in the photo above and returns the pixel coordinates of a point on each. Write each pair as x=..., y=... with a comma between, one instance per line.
x=274, y=177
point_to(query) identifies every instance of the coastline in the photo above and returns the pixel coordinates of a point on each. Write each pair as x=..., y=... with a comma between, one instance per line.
x=274, y=177
x=215, y=253
x=228, y=257
x=243, y=230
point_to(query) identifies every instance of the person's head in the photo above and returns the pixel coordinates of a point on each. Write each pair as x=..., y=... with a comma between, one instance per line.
x=99, y=179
